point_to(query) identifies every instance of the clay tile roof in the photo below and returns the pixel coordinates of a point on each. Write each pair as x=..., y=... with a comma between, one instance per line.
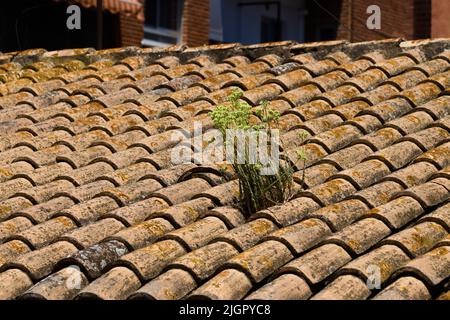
x=88, y=191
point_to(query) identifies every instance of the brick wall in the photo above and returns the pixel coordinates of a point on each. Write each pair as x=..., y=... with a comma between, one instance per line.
x=409, y=19
x=131, y=30
x=195, y=22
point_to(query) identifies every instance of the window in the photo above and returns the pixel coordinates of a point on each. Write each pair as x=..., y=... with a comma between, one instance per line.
x=162, y=22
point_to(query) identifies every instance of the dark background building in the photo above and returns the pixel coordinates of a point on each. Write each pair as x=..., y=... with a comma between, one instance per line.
x=42, y=23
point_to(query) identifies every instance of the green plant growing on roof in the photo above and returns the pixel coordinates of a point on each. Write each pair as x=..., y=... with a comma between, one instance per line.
x=256, y=191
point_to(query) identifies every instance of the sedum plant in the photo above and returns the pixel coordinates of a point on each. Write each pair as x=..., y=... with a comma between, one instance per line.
x=257, y=191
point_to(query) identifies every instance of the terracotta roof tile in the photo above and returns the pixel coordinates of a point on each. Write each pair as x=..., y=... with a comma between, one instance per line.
x=203, y=262
x=419, y=239
x=341, y=214
x=398, y=212
x=199, y=233
x=93, y=260
x=387, y=258
x=13, y=226
x=360, y=236
x=93, y=233
x=12, y=249
x=428, y=194
x=43, y=211
x=171, y=285
x=301, y=236
x=13, y=282
x=285, y=287
x=441, y=216
x=432, y=267
x=149, y=261
x=44, y=233
x=39, y=263
x=183, y=214
x=318, y=264
x=247, y=235
x=346, y=287
x=290, y=212
x=437, y=156
x=444, y=296
x=61, y=285
x=261, y=260
x=231, y=216
x=378, y=194
x=116, y=284
x=136, y=212
x=86, y=167
x=227, y=285
x=405, y=288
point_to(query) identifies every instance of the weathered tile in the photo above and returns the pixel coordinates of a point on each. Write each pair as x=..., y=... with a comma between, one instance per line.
x=330, y=192
x=88, y=211
x=231, y=216
x=12, y=283
x=42, y=234
x=337, y=138
x=13, y=226
x=179, y=192
x=143, y=234
x=317, y=264
x=405, y=288
x=149, y=261
x=418, y=239
x=382, y=261
x=229, y=284
x=413, y=174
x=428, y=194
x=248, y=234
x=433, y=267
x=10, y=250
x=397, y=155
x=348, y=157
x=411, y=123
x=398, y=212
x=39, y=263
x=93, y=260
x=138, y=211
x=341, y=214
x=92, y=233
x=116, y=284
x=289, y=212
x=441, y=216
x=203, y=262
x=378, y=194
x=302, y=235
x=381, y=138
x=438, y=156
x=198, y=233
x=173, y=284
x=261, y=260
x=360, y=236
